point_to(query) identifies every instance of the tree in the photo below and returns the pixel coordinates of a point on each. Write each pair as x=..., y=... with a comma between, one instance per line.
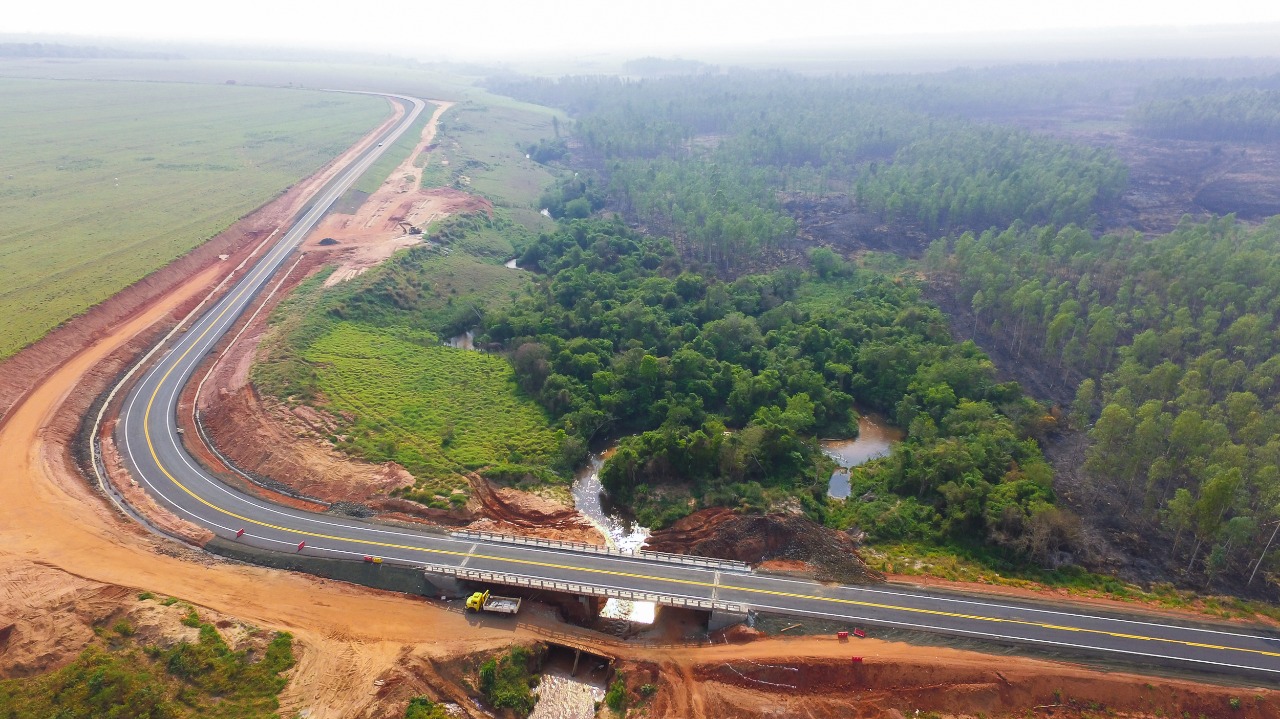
x=1082, y=407
x=825, y=262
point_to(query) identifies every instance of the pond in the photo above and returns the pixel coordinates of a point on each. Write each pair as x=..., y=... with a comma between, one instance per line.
x=876, y=438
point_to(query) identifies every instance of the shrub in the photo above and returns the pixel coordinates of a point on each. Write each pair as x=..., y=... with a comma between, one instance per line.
x=616, y=697
x=505, y=681
x=423, y=708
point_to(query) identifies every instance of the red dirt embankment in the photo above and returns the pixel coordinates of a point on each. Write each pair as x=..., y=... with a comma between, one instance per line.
x=788, y=543
x=510, y=511
x=814, y=677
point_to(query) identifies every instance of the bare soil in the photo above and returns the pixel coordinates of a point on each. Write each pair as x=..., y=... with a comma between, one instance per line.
x=511, y=511
x=815, y=677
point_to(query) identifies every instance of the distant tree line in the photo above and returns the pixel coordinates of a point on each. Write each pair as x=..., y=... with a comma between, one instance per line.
x=40, y=49
x=705, y=156
x=1246, y=116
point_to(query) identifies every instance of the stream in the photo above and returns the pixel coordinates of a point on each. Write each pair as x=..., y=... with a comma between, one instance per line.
x=875, y=439
x=620, y=533
x=464, y=341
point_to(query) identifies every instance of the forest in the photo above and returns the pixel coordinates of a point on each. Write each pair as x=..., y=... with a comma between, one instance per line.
x=1159, y=352
x=718, y=388
x=1248, y=115
x=1175, y=345
x=704, y=157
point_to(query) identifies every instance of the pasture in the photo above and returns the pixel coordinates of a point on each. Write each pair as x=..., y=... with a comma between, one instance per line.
x=435, y=410
x=103, y=182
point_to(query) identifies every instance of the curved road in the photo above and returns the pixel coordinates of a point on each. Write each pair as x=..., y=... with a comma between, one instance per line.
x=152, y=448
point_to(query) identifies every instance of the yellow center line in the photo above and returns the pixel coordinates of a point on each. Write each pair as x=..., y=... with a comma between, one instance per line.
x=548, y=565
x=696, y=583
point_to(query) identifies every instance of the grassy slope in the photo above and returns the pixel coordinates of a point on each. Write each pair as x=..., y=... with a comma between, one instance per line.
x=404, y=392
x=436, y=410
x=104, y=182
x=483, y=142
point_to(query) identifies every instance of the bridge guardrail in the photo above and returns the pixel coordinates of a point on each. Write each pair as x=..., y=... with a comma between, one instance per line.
x=724, y=565
x=520, y=580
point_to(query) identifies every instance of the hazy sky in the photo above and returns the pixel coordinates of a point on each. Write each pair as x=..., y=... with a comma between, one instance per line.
x=489, y=28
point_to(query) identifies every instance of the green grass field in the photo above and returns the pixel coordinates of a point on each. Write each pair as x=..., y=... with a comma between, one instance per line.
x=435, y=410
x=103, y=182
x=453, y=83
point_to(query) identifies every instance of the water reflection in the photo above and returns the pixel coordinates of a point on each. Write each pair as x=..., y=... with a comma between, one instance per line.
x=875, y=439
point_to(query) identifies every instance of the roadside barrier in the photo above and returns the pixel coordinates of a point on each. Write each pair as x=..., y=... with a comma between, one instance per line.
x=520, y=580
x=724, y=565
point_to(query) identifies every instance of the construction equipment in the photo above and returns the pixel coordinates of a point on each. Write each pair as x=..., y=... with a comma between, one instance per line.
x=486, y=602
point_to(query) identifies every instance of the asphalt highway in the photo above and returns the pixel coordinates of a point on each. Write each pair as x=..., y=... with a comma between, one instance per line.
x=148, y=437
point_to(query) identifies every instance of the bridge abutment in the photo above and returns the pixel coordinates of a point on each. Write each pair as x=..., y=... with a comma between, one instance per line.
x=721, y=619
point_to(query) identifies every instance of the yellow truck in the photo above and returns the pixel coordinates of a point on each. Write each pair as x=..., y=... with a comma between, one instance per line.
x=486, y=602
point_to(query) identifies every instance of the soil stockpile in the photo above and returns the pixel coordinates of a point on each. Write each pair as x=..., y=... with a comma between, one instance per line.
x=784, y=540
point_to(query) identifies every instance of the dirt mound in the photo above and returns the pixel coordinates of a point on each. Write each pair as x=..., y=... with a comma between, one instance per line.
x=407, y=511
x=51, y=616
x=736, y=634
x=757, y=538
